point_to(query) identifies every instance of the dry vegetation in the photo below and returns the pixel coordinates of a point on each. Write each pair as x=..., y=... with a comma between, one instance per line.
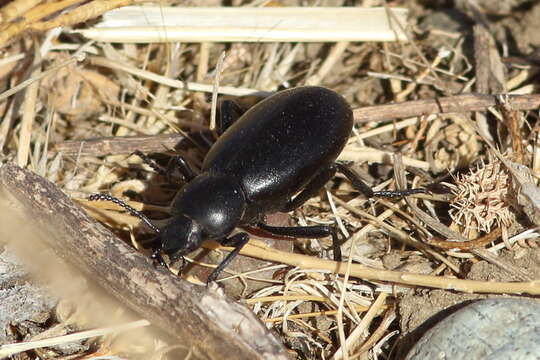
x=57, y=91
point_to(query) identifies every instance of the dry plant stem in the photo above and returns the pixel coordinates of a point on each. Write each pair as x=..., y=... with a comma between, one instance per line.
x=467, y=245
x=11, y=349
x=152, y=113
x=40, y=76
x=485, y=68
x=247, y=24
x=196, y=315
x=451, y=104
x=213, y=108
x=402, y=95
x=32, y=17
x=335, y=55
x=536, y=155
x=481, y=57
x=293, y=298
x=261, y=251
x=503, y=265
x=381, y=330
x=358, y=332
x=7, y=124
x=29, y=112
x=81, y=14
x=163, y=80
x=400, y=235
x=357, y=308
x=118, y=145
x=512, y=120
x=16, y=8
x=379, y=113
x=390, y=127
x=476, y=247
x=344, y=346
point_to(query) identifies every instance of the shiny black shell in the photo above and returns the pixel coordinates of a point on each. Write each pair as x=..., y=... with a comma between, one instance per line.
x=281, y=144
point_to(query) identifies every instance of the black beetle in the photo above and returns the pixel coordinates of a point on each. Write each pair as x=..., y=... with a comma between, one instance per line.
x=274, y=157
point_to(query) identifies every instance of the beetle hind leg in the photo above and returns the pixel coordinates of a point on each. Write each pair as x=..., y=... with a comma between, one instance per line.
x=316, y=231
x=311, y=188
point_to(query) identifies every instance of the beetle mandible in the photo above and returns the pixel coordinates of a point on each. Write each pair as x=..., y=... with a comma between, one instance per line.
x=274, y=157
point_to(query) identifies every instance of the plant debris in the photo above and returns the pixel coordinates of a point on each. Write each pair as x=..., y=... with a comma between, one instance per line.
x=428, y=110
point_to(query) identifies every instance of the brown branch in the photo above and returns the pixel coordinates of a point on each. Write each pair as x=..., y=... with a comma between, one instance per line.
x=118, y=145
x=467, y=245
x=39, y=18
x=378, y=113
x=200, y=317
x=451, y=104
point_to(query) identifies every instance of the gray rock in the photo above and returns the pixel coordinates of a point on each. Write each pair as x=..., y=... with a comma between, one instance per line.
x=20, y=299
x=494, y=329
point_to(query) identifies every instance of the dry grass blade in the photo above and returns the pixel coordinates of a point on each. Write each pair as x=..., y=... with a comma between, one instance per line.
x=11, y=349
x=358, y=332
x=271, y=24
x=260, y=251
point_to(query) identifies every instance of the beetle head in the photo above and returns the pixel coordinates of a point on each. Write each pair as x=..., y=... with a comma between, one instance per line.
x=180, y=236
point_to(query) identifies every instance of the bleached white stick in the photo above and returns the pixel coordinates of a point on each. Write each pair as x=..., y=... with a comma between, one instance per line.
x=138, y=24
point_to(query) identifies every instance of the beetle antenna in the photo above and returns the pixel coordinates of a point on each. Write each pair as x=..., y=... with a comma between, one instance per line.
x=132, y=211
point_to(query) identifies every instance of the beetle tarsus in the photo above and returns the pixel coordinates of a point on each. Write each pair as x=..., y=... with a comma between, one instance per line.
x=157, y=259
x=399, y=193
x=361, y=186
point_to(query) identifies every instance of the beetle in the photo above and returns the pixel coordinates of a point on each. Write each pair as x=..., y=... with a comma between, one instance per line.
x=272, y=158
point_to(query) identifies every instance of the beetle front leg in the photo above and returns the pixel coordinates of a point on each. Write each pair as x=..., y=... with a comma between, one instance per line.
x=316, y=231
x=237, y=241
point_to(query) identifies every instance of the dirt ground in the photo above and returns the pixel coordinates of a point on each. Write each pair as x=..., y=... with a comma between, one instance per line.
x=466, y=81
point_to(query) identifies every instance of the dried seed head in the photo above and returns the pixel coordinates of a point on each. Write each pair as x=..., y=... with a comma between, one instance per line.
x=483, y=198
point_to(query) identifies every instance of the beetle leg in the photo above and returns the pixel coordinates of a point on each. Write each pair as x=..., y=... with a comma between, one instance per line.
x=311, y=189
x=183, y=166
x=229, y=112
x=367, y=191
x=316, y=231
x=176, y=162
x=237, y=241
x=157, y=259
x=150, y=162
